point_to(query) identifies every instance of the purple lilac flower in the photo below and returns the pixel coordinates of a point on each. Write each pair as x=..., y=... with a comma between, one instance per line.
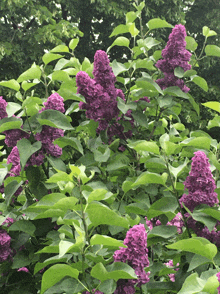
x=218, y=276
x=200, y=183
x=174, y=55
x=47, y=136
x=13, y=136
x=3, y=105
x=23, y=269
x=170, y=264
x=55, y=102
x=5, y=250
x=136, y=255
x=103, y=74
x=14, y=158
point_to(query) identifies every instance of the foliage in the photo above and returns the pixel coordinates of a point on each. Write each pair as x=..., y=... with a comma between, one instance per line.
x=84, y=193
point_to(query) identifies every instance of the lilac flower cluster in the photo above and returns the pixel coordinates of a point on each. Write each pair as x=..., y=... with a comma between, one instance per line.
x=46, y=136
x=177, y=221
x=5, y=241
x=136, y=255
x=49, y=134
x=170, y=264
x=201, y=186
x=218, y=277
x=175, y=55
x=200, y=183
x=100, y=95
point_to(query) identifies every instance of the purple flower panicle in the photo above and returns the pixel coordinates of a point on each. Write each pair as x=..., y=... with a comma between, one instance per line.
x=136, y=255
x=174, y=55
x=55, y=102
x=200, y=183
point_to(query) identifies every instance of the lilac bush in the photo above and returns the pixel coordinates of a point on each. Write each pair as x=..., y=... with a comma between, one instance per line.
x=80, y=200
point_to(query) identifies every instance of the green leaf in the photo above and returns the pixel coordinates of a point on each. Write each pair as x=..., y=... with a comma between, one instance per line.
x=162, y=206
x=26, y=85
x=55, y=273
x=60, y=48
x=69, y=141
x=120, y=41
x=207, y=32
x=140, y=118
x=213, y=105
x=120, y=29
x=51, y=260
x=176, y=171
x=54, y=118
x=130, y=16
x=196, y=245
x=66, y=203
x=101, y=214
x=125, y=107
x=98, y=194
x=215, y=122
x=162, y=231
x=137, y=208
x=23, y=226
x=50, y=213
x=189, y=73
x=60, y=176
x=193, y=284
x=73, y=43
x=157, y=23
x=11, y=84
x=50, y=199
x=142, y=145
x=60, y=75
x=132, y=29
x=10, y=123
x=149, y=178
x=10, y=189
x=118, y=67
x=200, y=82
x=116, y=271
x=212, y=50
x=48, y=57
x=32, y=73
x=191, y=44
x=196, y=261
x=12, y=107
x=102, y=157
x=179, y=72
x=176, y=91
x=149, y=84
x=211, y=285
x=26, y=149
x=199, y=142
x=106, y=241
x=207, y=220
